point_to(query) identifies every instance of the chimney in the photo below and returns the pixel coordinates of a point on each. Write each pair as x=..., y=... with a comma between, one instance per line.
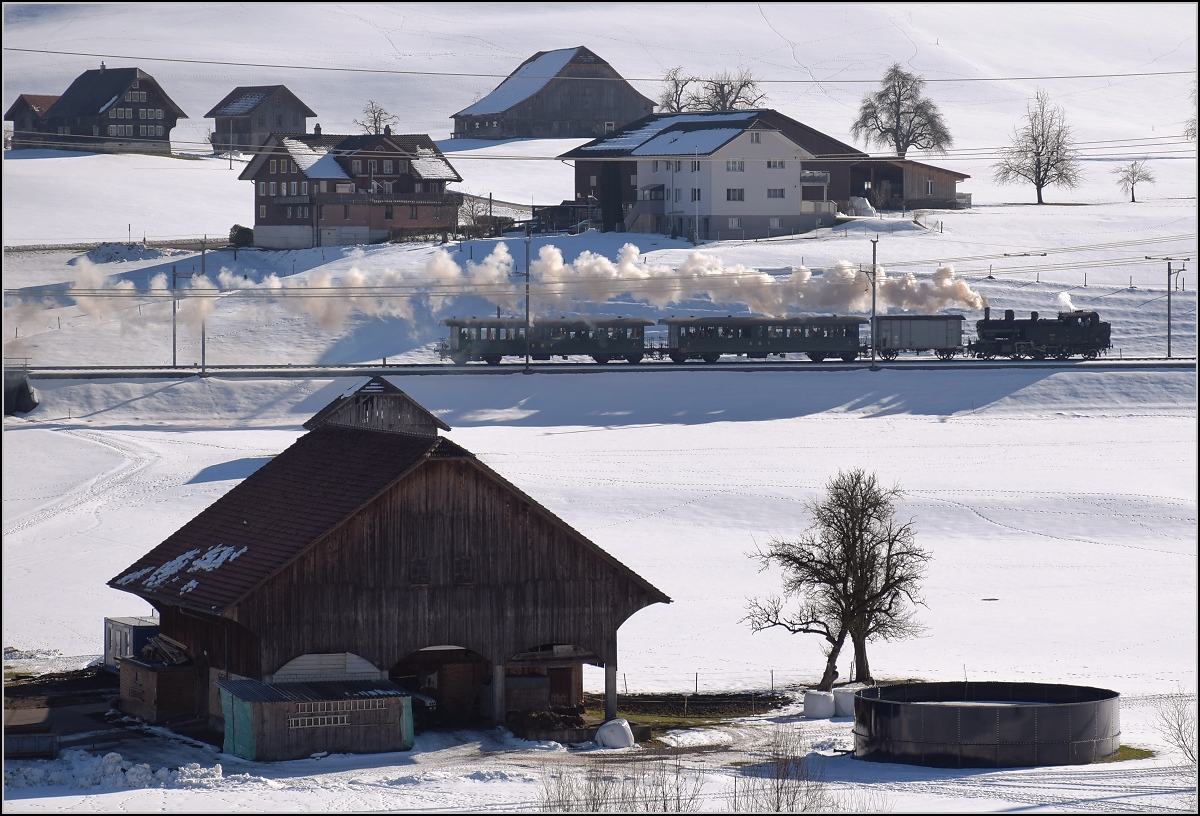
x=102, y=66
x=987, y=312
x=387, y=130
x=317, y=129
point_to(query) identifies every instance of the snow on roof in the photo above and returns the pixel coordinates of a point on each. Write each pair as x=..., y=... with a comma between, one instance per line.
x=681, y=142
x=632, y=139
x=523, y=83
x=108, y=104
x=314, y=161
x=429, y=165
x=241, y=105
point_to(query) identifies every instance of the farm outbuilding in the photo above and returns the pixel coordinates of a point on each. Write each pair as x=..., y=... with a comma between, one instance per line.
x=376, y=550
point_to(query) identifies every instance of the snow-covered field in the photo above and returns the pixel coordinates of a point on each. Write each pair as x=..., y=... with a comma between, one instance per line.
x=1067, y=495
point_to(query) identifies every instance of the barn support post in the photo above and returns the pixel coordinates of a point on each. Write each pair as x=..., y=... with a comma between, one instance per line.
x=610, y=690
x=498, y=701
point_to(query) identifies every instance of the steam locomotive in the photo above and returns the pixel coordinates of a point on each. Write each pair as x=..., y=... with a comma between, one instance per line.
x=1040, y=338
x=818, y=337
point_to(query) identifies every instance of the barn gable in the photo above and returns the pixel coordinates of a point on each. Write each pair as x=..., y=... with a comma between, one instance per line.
x=380, y=406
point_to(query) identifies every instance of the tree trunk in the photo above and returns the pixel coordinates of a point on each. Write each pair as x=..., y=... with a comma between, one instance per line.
x=1039, y=194
x=830, y=675
x=1132, y=195
x=862, y=667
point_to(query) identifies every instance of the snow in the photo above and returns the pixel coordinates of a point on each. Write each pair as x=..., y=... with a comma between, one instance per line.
x=314, y=161
x=1069, y=495
x=524, y=83
x=700, y=142
x=651, y=130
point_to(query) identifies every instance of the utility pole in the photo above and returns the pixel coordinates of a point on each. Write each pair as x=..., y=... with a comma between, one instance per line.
x=174, y=309
x=874, y=343
x=203, y=241
x=528, y=327
x=1170, y=272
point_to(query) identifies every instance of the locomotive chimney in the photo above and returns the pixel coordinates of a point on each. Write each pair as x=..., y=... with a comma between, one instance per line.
x=987, y=312
x=1008, y=314
x=1033, y=315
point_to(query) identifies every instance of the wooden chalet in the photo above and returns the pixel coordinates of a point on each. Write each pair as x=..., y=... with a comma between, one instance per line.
x=105, y=110
x=249, y=114
x=27, y=114
x=569, y=93
x=374, y=550
x=330, y=190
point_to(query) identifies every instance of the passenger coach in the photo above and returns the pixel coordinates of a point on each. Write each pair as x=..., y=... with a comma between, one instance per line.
x=492, y=339
x=707, y=338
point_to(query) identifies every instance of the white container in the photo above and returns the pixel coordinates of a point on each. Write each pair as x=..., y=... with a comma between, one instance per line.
x=615, y=734
x=818, y=705
x=843, y=702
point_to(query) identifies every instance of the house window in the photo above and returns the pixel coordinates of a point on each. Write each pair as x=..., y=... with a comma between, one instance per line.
x=653, y=169
x=774, y=164
x=142, y=96
x=929, y=187
x=372, y=166
x=755, y=138
x=695, y=166
x=695, y=194
x=735, y=223
x=593, y=178
x=387, y=187
x=609, y=127
x=272, y=188
x=414, y=213
x=120, y=112
x=295, y=185
x=159, y=129
x=262, y=211
x=633, y=180
x=289, y=212
x=678, y=194
x=775, y=222
x=735, y=194
x=158, y=113
x=387, y=167
x=462, y=570
x=304, y=188
x=356, y=167
x=387, y=213
x=402, y=166
x=141, y=113
x=320, y=212
x=346, y=212
x=774, y=192
x=262, y=189
x=477, y=126
x=129, y=113
x=866, y=185
x=418, y=572
x=324, y=187
x=418, y=187
x=735, y=166
x=274, y=166
x=141, y=130
x=112, y=130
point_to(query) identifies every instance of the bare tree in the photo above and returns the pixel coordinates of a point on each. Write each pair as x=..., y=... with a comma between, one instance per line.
x=1175, y=719
x=674, y=95
x=1130, y=175
x=1043, y=152
x=784, y=780
x=375, y=119
x=727, y=91
x=855, y=572
x=1189, y=127
x=898, y=116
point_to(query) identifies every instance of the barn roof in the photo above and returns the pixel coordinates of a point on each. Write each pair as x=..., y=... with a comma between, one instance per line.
x=279, y=511
x=38, y=103
x=530, y=77
x=242, y=101
x=378, y=387
x=316, y=156
x=94, y=92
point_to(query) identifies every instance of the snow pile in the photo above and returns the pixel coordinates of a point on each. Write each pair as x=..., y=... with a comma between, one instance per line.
x=78, y=769
x=119, y=253
x=857, y=205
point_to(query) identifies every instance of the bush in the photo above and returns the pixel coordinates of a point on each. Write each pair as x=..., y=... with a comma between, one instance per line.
x=241, y=236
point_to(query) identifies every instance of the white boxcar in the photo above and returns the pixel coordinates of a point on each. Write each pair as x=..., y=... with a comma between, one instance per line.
x=942, y=334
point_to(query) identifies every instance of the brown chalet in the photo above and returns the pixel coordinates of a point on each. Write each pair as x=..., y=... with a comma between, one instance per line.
x=375, y=550
x=564, y=94
x=249, y=114
x=317, y=190
x=104, y=110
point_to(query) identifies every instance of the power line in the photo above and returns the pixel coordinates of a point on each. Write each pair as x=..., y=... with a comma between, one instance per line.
x=471, y=74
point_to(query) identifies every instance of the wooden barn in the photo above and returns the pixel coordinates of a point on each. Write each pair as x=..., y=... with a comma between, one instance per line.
x=376, y=550
x=27, y=114
x=250, y=113
x=566, y=94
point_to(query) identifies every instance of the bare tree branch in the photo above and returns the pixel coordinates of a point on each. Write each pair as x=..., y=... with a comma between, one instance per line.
x=727, y=91
x=674, y=95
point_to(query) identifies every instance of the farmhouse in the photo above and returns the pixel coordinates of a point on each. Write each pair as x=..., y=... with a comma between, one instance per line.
x=249, y=114
x=317, y=190
x=739, y=174
x=27, y=114
x=104, y=110
x=566, y=94
x=374, y=551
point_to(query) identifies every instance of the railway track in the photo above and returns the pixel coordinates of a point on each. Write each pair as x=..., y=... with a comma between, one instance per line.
x=570, y=367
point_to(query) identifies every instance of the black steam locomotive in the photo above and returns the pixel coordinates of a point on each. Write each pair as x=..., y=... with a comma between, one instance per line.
x=1041, y=338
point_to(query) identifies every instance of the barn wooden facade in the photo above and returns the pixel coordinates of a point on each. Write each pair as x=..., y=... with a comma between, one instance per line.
x=376, y=539
x=249, y=114
x=105, y=110
x=566, y=94
x=27, y=114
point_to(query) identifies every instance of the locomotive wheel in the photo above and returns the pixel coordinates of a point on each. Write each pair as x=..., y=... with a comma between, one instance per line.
x=944, y=354
x=987, y=355
x=1038, y=355
x=816, y=356
x=1091, y=354
x=849, y=357
x=459, y=359
x=1061, y=354
x=710, y=358
x=677, y=358
x=633, y=359
x=492, y=359
x=889, y=354
x=602, y=359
